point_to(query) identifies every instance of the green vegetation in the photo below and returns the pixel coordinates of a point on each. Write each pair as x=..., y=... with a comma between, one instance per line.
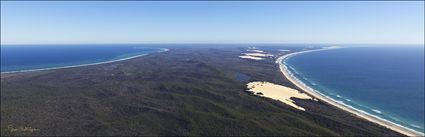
x=185, y=91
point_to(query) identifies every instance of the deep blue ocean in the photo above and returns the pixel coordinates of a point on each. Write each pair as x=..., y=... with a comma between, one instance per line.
x=383, y=81
x=28, y=57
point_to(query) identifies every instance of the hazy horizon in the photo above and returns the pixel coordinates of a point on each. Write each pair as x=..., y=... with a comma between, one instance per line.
x=212, y=22
x=213, y=43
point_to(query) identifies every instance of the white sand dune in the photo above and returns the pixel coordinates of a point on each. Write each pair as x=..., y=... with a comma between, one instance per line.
x=255, y=54
x=278, y=92
x=255, y=50
x=258, y=54
x=251, y=57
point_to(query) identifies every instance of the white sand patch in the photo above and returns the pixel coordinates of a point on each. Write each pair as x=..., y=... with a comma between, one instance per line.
x=251, y=57
x=258, y=54
x=255, y=50
x=277, y=92
x=255, y=54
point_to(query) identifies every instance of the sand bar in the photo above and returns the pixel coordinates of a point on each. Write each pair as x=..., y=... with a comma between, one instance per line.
x=393, y=126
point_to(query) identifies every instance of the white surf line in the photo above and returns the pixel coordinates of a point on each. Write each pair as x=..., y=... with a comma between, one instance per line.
x=82, y=65
x=339, y=104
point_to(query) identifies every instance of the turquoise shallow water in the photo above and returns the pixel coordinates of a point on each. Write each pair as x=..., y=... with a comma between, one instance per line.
x=28, y=57
x=387, y=82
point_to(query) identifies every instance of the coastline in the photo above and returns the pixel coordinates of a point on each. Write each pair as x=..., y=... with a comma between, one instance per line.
x=375, y=119
x=82, y=65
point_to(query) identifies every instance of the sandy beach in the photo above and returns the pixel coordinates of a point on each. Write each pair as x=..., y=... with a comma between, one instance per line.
x=359, y=113
x=277, y=92
x=81, y=65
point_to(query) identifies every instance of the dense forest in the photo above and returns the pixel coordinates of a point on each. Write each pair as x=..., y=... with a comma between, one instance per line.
x=185, y=91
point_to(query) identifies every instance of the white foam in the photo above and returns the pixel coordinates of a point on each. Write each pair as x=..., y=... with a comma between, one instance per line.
x=377, y=111
x=339, y=101
x=279, y=61
x=416, y=126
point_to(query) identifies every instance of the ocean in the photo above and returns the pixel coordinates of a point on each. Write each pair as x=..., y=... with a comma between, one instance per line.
x=384, y=81
x=30, y=57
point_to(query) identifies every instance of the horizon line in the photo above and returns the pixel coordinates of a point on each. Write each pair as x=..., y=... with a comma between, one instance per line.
x=135, y=43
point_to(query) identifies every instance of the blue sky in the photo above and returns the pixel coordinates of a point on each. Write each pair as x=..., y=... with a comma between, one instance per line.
x=212, y=22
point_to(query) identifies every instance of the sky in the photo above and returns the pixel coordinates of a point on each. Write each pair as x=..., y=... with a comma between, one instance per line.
x=72, y=22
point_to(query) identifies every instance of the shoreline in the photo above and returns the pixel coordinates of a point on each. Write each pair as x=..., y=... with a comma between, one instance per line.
x=372, y=118
x=82, y=65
